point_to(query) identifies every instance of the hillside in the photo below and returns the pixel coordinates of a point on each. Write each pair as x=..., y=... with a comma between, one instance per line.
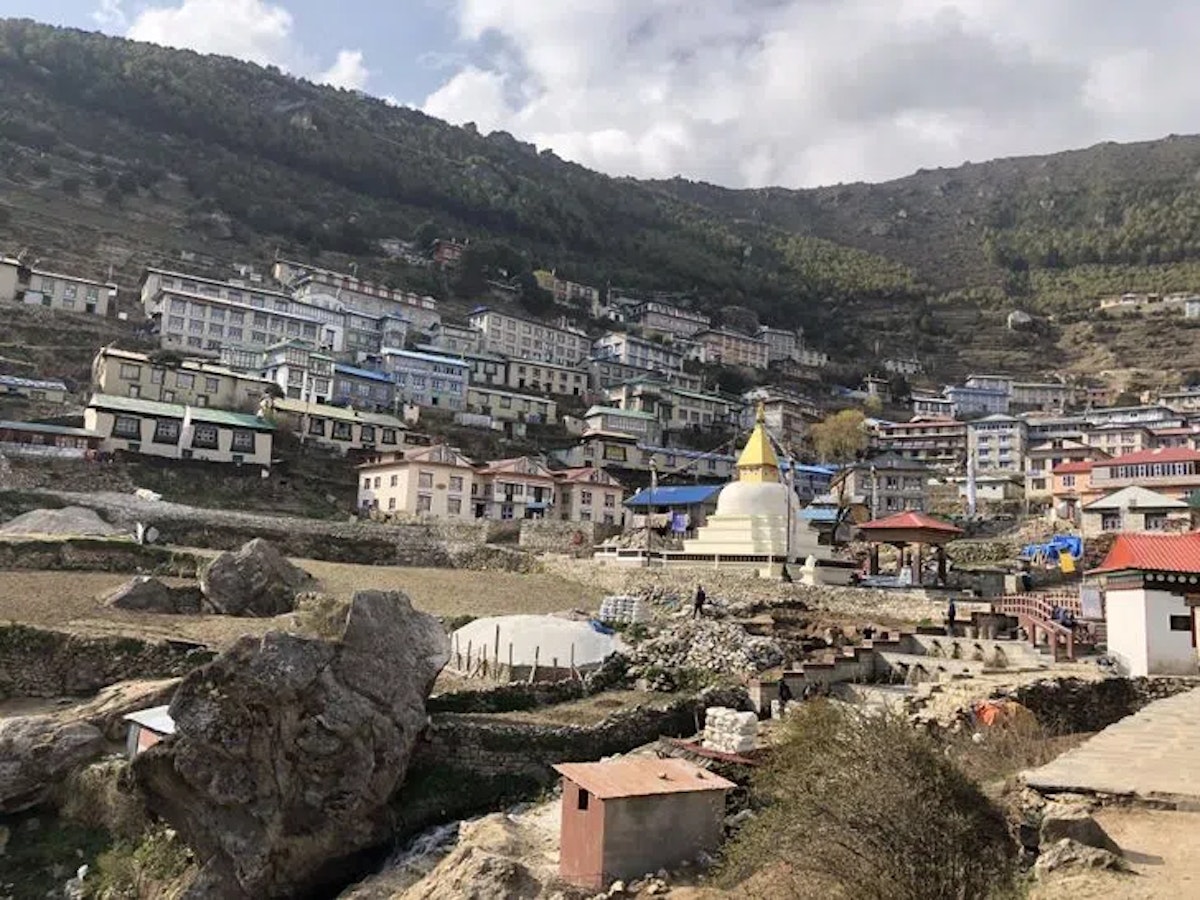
x=115, y=153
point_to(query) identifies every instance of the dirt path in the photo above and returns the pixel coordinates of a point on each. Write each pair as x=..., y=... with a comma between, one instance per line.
x=1163, y=848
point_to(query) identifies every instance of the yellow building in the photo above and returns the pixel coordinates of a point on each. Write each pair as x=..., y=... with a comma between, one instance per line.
x=123, y=373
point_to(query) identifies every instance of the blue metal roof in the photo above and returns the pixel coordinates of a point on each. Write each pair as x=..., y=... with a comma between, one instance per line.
x=356, y=372
x=823, y=514
x=675, y=495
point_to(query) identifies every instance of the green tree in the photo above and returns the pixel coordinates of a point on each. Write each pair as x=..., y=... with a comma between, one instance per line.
x=841, y=437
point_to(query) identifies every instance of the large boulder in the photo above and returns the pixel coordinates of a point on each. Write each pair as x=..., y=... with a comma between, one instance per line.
x=1072, y=854
x=287, y=748
x=37, y=753
x=144, y=593
x=256, y=581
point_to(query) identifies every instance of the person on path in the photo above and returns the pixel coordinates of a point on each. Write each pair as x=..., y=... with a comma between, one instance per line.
x=698, y=603
x=951, y=615
x=785, y=695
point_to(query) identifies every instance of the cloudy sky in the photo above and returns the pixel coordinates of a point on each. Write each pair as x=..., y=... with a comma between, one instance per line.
x=737, y=92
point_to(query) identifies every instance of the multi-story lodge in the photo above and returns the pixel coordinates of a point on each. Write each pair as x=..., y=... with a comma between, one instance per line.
x=123, y=373
x=781, y=343
x=363, y=388
x=301, y=372
x=605, y=373
x=787, y=415
x=448, y=337
x=345, y=430
x=518, y=488
x=524, y=338
x=176, y=431
x=588, y=494
x=34, y=286
x=617, y=346
x=433, y=481
x=1044, y=457
x=544, y=377
x=428, y=380
x=732, y=349
x=1043, y=396
x=1174, y=471
x=886, y=484
x=339, y=290
x=997, y=444
x=509, y=406
x=657, y=318
x=675, y=408
x=568, y=293
x=933, y=441
x=934, y=406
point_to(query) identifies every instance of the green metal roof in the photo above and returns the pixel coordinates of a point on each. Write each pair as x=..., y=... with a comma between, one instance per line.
x=612, y=410
x=178, y=411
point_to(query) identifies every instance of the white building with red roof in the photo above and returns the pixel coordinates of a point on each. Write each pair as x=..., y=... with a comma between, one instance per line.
x=1151, y=588
x=589, y=495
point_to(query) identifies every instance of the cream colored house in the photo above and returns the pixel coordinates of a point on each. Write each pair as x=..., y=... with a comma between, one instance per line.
x=507, y=406
x=589, y=495
x=69, y=293
x=1135, y=509
x=732, y=349
x=122, y=373
x=519, y=488
x=430, y=481
x=174, y=431
x=542, y=377
x=525, y=338
x=345, y=430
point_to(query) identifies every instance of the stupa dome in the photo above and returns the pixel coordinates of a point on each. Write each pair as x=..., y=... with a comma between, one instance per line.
x=748, y=498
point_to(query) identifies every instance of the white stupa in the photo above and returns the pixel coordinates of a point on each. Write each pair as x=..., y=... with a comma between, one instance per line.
x=753, y=519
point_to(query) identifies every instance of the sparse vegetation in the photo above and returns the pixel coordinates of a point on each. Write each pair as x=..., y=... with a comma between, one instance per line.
x=871, y=807
x=149, y=867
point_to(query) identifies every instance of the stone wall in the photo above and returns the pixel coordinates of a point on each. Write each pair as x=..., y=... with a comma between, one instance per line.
x=556, y=536
x=96, y=555
x=1072, y=706
x=506, y=697
x=468, y=763
x=35, y=662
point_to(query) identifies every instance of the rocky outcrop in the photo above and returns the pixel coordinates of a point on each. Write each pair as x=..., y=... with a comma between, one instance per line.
x=37, y=753
x=146, y=594
x=287, y=749
x=1074, y=821
x=256, y=581
x=1072, y=854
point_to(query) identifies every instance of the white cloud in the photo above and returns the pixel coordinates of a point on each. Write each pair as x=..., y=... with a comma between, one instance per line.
x=109, y=14
x=802, y=92
x=348, y=71
x=255, y=30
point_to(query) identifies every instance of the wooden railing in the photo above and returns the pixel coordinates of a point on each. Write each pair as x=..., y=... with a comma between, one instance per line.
x=1034, y=614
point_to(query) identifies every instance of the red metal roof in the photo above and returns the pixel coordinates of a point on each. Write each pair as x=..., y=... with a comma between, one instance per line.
x=1154, y=553
x=1159, y=455
x=641, y=776
x=1073, y=468
x=911, y=521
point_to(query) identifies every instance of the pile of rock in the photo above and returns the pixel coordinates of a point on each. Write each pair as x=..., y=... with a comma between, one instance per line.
x=715, y=646
x=146, y=594
x=730, y=731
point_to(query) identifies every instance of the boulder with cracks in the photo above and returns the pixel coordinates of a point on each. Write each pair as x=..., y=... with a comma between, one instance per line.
x=37, y=753
x=256, y=581
x=288, y=747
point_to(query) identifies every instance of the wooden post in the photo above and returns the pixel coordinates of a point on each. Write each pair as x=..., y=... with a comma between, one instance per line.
x=470, y=646
x=496, y=645
x=510, y=665
x=537, y=652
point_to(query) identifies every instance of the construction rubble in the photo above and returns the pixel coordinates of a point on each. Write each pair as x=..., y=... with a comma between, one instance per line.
x=704, y=644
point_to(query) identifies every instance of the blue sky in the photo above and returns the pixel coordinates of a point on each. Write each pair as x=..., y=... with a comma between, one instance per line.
x=737, y=92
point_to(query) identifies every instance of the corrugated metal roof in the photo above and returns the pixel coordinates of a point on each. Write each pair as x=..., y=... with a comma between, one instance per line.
x=41, y=428
x=826, y=515
x=1073, y=468
x=32, y=383
x=1179, y=553
x=157, y=719
x=177, y=411
x=1160, y=455
x=675, y=495
x=641, y=776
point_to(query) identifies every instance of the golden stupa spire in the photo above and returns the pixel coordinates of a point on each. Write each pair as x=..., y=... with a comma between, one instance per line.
x=758, y=463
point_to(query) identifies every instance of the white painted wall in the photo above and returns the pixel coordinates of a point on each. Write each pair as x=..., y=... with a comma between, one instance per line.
x=1125, y=616
x=1140, y=635
x=1170, y=652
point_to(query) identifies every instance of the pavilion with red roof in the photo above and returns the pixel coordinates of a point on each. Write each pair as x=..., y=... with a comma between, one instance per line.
x=1151, y=585
x=910, y=529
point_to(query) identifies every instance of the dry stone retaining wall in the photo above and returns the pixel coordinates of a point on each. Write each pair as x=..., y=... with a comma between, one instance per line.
x=556, y=536
x=35, y=662
x=95, y=555
x=1072, y=705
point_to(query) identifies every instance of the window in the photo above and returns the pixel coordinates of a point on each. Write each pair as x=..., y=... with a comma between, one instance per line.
x=185, y=380
x=389, y=435
x=425, y=480
x=585, y=498
x=506, y=511
x=395, y=480
x=135, y=391
x=342, y=431
x=166, y=431
x=391, y=503
x=217, y=314
x=1110, y=521
x=1181, y=623
x=610, y=501
x=131, y=373
x=129, y=427
x=168, y=397
x=424, y=502
x=582, y=801
x=366, y=484
x=212, y=385
x=454, y=506
x=243, y=441
x=456, y=483
x=205, y=437
x=378, y=481
x=1068, y=481
x=317, y=427
x=1156, y=521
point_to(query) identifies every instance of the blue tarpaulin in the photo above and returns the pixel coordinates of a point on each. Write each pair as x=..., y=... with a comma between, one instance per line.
x=1054, y=547
x=675, y=495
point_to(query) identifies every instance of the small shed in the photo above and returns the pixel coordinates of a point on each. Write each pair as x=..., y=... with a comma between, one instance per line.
x=626, y=817
x=146, y=728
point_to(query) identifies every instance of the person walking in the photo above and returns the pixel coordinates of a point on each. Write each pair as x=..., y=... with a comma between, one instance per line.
x=951, y=615
x=698, y=603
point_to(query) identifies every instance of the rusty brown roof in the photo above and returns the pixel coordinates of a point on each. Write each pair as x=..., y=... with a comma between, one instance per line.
x=641, y=776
